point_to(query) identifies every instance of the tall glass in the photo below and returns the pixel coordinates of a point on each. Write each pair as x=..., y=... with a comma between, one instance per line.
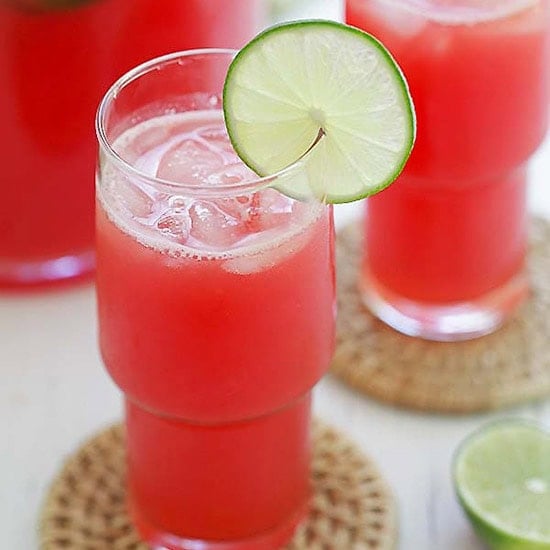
x=445, y=245
x=216, y=313
x=57, y=58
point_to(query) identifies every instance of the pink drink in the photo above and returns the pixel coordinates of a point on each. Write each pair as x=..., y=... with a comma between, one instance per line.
x=54, y=66
x=445, y=245
x=216, y=300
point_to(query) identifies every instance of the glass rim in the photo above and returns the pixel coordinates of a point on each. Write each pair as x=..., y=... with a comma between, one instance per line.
x=105, y=143
x=466, y=13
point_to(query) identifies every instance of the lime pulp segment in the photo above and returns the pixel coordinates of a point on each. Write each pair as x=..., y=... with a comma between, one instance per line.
x=323, y=83
x=502, y=477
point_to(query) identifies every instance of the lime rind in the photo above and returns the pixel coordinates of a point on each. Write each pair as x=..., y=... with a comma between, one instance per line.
x=297, y=78
x=491, y=469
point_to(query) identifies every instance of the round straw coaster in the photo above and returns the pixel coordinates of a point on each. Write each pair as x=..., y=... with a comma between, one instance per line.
x=352, y=507
x=505, y=368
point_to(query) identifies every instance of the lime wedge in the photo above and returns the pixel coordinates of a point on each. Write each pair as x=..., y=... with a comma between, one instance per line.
x=502, y=478
x=324, y=83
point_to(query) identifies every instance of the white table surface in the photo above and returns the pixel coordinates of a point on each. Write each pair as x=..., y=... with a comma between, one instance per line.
x=54, y=393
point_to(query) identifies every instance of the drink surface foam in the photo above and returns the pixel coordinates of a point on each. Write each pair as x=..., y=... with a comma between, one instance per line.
x=193, y=150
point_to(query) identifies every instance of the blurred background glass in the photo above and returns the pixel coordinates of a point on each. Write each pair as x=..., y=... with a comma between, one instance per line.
x=445, y=245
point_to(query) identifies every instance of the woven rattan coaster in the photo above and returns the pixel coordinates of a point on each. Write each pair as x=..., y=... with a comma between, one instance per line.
x=505, y=368
x=352, y=507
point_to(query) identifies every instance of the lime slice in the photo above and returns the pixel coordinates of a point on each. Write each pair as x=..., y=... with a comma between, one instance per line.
x=324, y=83
x=502, y=478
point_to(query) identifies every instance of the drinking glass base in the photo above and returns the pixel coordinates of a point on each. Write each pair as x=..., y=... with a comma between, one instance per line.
x=452, y=322
x=14, y=273
x=268, y=540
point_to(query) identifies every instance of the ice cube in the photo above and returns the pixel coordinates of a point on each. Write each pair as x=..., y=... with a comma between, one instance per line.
x=133, y=200
x=189, y=161
x=150, y=138
x=213, y=226
x=216, y=135
x=274, y=209
x=240, y=208
x=261, y=211
x=232, y=173
x=178, y=202
x=175, y=224
x=270, y=256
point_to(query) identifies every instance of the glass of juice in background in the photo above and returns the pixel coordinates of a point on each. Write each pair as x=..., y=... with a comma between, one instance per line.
x=55, y=64
x=445, y=246
x=216, y=313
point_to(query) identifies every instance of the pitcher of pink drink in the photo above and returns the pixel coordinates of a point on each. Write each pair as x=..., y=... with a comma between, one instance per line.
x=57, y=57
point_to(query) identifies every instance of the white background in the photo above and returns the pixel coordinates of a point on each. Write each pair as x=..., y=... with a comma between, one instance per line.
x=54, y=393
